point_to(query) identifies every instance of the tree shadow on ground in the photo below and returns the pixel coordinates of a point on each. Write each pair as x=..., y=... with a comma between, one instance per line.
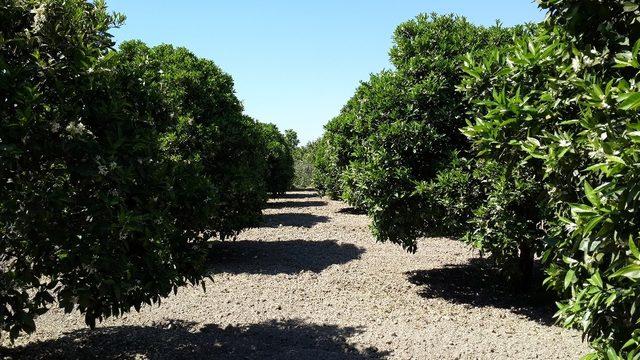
x=292, y=339
x=279, y=257
x=352, y=211
x=293, y=219
x=295, y=204
x=296, y=195
x=480, y=285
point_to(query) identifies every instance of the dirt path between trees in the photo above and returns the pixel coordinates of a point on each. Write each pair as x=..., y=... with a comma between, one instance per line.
x=312, y=283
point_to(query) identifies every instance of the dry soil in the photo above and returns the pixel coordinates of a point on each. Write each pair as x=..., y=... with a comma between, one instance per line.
x=312, y=283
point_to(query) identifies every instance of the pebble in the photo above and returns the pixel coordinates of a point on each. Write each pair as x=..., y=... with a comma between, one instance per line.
x=316, y=261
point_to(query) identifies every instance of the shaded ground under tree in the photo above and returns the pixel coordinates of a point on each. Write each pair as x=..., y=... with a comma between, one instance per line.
x=292, y=339
x=478, y=284
x=295, y=204
x=293, y=219
x=279, y=257
x=326, y=290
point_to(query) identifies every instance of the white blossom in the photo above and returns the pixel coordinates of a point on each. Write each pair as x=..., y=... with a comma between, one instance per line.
x=102, y=170
x=40, y=17
x=77, y=129
x=575, y=64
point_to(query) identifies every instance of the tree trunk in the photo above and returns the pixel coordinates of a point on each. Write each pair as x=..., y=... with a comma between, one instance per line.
x=526, y=266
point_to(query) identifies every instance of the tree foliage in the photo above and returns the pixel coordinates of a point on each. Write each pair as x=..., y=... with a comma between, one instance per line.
x=386, y=149
x=117, y=166
x=304, y=165
x=279, y=157
x=552, y=170
x=563, y=104
x=206, y=131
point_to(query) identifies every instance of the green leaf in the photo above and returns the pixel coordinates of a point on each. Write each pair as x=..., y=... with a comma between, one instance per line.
x=631, y=271
x=634, y=249
x=611, y=354
x=630, y=6
x=597, y=280
x=629, y=343
x=636, y=48
x=629, y=101
x=592, y=195
x=569, y=278
x=616, y=159
x=597, y=91
x=634, y=135
x=592, y=224
x=581, y=209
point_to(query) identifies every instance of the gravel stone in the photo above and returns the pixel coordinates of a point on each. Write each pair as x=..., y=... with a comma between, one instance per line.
x=312, y=283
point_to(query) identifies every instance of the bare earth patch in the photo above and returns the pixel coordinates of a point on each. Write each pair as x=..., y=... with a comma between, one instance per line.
x=312, y=283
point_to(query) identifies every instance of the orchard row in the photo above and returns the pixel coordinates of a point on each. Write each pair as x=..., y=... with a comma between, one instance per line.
x=523, y=141
x=117, y=165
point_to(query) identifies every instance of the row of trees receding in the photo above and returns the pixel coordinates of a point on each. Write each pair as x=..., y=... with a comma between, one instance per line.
x=523, y=141
x=118, y=166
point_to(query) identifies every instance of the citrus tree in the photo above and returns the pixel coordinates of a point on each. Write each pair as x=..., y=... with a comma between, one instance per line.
x=397, y=143
x=279, y=158
x=563, y=104
x=304, y=169
x=205, y=130
x=117, y=166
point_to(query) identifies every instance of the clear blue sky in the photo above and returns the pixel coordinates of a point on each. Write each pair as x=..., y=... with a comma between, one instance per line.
x=295, y=63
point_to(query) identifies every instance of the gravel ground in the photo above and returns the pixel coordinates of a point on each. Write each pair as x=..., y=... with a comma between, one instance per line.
x=312, y=283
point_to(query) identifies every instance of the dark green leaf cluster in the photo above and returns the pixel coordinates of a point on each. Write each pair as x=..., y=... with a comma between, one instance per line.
x=206, y=131
x=117, y=166
x=279, y=155
x=397, y=142
x=332, y=156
